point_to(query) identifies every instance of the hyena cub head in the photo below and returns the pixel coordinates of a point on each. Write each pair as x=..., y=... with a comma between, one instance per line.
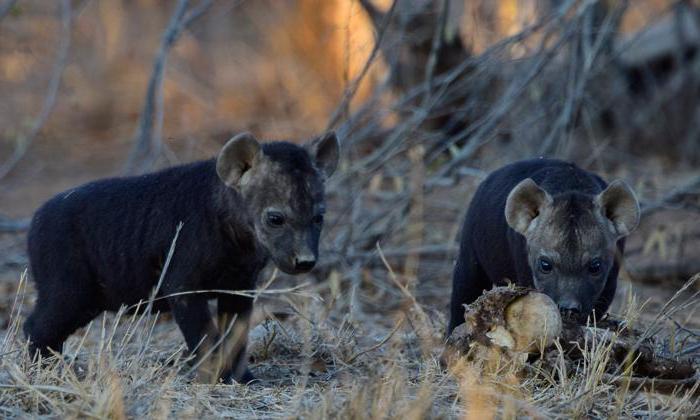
x=282, y=185
x=571, y=238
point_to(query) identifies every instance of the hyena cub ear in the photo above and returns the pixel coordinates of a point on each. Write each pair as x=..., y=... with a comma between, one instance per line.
x=236, y=158
x=525, y=202
x=325, y=150
x=619, y=205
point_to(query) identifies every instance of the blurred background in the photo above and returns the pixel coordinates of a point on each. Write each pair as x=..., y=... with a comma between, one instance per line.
x=427, y=96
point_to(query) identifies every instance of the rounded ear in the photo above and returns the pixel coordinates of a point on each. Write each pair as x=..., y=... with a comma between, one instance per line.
x=619, y=204
x=325, y=151
x=525, y=202
x=236, y=157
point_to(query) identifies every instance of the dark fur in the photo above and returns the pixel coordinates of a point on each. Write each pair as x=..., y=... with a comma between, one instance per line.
x=103, y=245
x=491, y=251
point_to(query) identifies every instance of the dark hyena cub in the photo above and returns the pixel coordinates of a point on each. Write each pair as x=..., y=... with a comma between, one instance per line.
x=102, y=245
x=546, y=224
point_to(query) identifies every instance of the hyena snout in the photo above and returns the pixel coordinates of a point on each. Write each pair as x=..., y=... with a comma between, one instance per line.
x=304, y=262
x=295, y=262
x=570, y=305
x=575, y=307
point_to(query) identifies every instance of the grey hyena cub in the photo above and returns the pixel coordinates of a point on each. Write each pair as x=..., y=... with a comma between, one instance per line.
x=546, y=224
x=102, y=245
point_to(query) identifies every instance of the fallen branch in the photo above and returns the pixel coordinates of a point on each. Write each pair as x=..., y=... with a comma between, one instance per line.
x=645, y=362
x=665, y=386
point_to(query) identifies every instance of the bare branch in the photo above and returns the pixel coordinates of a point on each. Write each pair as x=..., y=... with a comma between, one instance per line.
x=23, y=143
x=10, y=226
x=375, y=15
x=438, y=38
x=350, y=91
x=677, y=198
x=147, y=140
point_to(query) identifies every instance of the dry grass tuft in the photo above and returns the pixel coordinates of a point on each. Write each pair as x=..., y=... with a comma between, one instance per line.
x=319, y=363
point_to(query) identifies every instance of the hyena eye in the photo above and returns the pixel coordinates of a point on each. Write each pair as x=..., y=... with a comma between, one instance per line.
x=595, y=266
x=318, y=219
x=274, y=218
x=545, y=265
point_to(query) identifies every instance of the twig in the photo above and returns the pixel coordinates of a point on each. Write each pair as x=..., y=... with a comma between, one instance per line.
x=350, y=91
x=401, y=252
x=666, y=311
x=476, y=132
x=675, y=197
x=695, y=347
x=11, y=226
x=666, y=386
x=593, y=44
x=48, y=388
x=374, y=14
x=50, y=100
x=213, y=348
x=394, y=278
x=379, y=344
x=683, y=328
x=245, y=293
x=163, y=272
x=152, y=297
x=435, y=50
x=147, y=140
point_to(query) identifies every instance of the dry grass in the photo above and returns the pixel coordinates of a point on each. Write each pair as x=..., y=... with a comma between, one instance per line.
x=322, y=362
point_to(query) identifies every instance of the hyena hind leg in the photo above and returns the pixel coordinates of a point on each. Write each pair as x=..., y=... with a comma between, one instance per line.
x=52, y=321
x=68, y=295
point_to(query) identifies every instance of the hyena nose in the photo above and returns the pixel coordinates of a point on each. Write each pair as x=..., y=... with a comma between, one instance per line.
x=570, y=305
x=304, y=263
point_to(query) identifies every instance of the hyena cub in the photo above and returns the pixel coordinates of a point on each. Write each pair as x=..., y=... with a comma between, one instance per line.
x=102, y=245
x=545, y=224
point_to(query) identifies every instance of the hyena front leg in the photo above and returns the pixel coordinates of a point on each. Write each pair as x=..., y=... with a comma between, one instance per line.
x=231, y=359
x=192, y=315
